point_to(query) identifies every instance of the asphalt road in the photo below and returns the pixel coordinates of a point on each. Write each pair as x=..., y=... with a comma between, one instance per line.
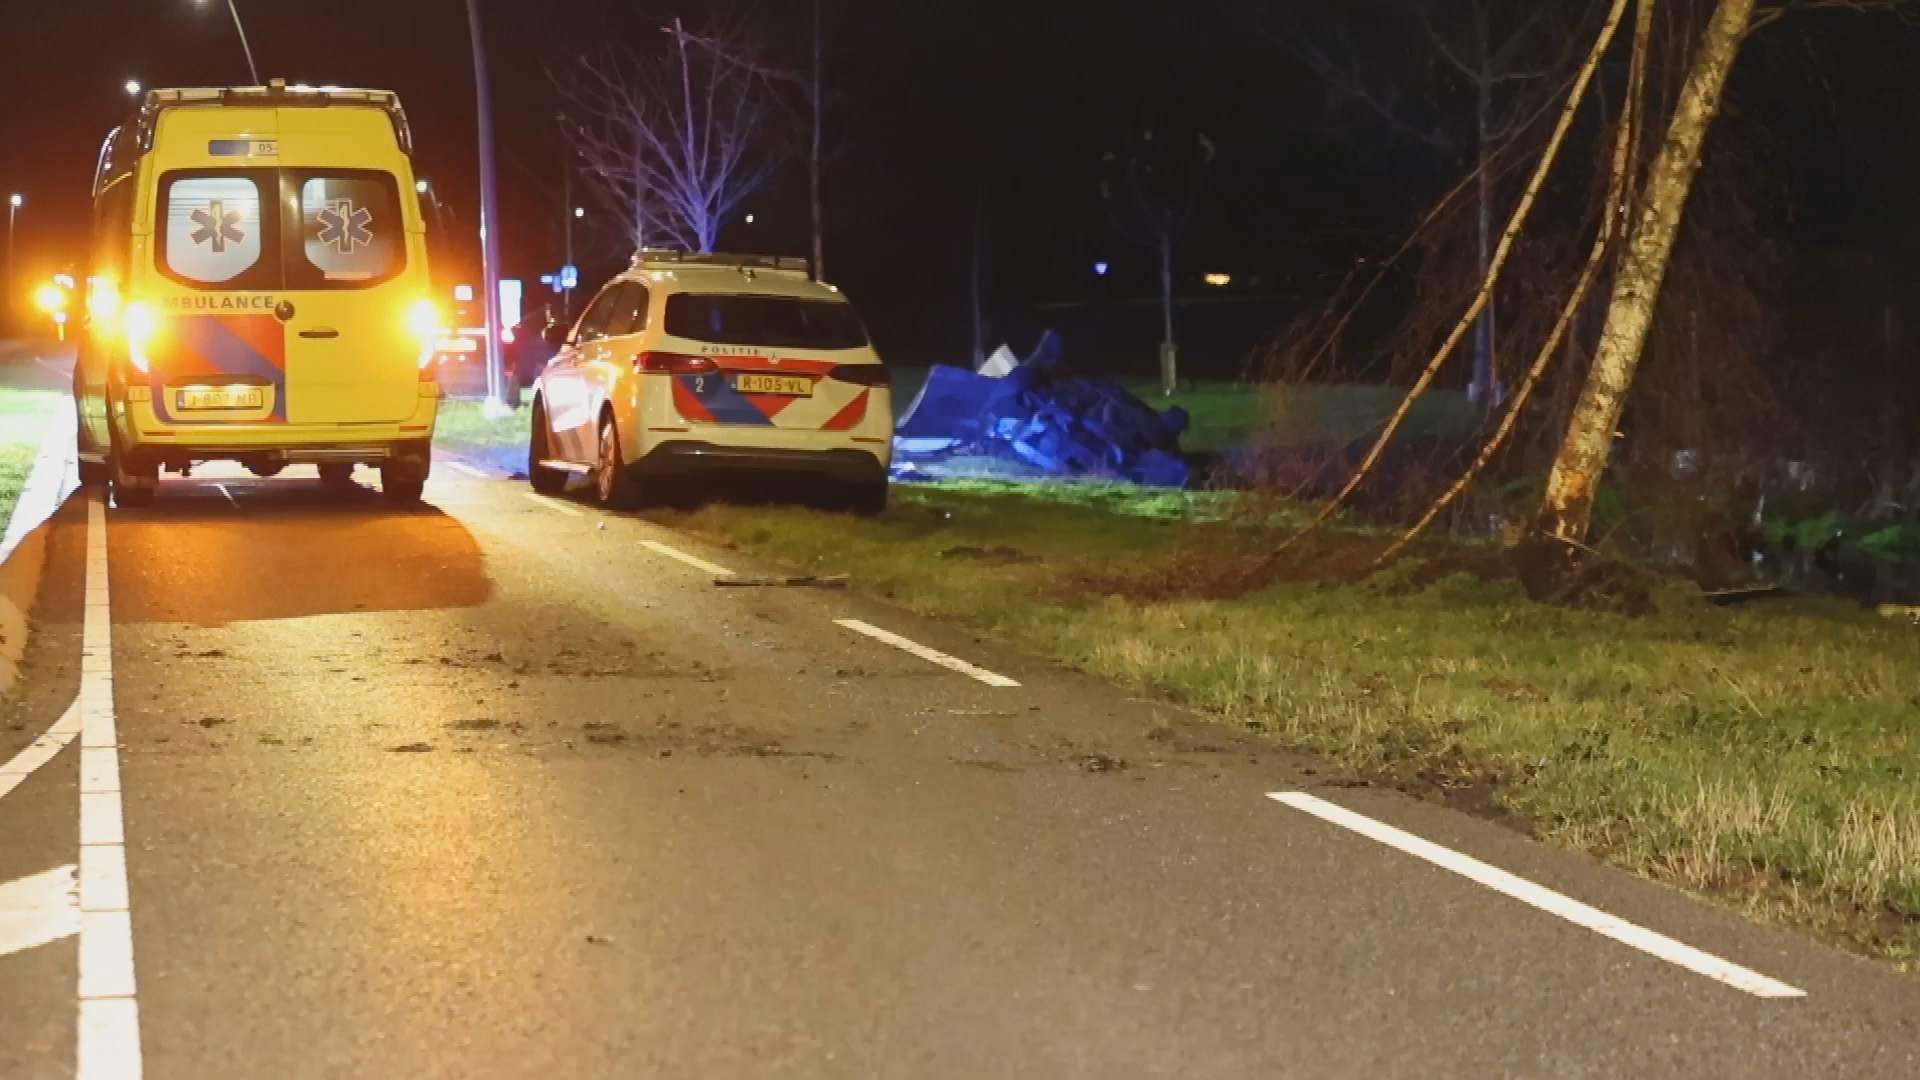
x=494, y=789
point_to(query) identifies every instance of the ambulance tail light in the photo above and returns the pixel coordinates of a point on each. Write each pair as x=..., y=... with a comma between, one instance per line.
x=427, y=325
x=662, y=363
x=139, y=325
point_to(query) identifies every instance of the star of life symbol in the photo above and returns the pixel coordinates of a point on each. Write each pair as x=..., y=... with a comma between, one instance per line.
x=219, y=226
x=344, y=226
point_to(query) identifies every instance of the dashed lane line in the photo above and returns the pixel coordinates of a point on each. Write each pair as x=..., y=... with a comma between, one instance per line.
x=932, y=656
x=1553, y=903
x=691, y=560
x=109, y=1022
x=555, y=505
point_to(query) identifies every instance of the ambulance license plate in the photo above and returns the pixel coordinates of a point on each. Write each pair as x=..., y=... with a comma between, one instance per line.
x=239, y=397
x=785, y=385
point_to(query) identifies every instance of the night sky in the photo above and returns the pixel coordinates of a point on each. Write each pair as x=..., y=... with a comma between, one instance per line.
x=936, y=110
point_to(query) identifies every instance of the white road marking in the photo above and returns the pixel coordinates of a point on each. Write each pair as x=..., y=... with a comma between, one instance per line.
x=109, y=1024
x=38, y=910
x=1553, y=903
x=222, y=489
x=554, y=504
x=932, y=656
x=693, y=561
x=41, y=750
x=463, y=467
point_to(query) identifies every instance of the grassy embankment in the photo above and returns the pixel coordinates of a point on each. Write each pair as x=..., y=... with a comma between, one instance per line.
x=1766, y=757
x=23, y=422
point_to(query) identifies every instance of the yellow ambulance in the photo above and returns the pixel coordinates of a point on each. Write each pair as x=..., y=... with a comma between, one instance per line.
x=258, y=292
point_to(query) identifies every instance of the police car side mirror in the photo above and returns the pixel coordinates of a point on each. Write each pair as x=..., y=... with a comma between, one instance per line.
x=556, y=334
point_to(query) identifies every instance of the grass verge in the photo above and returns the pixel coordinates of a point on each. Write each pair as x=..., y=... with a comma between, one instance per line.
x=464, y=428
x=24, y=415
x=1766, y=757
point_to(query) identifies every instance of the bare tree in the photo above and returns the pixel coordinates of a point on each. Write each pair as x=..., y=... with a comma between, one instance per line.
x=1568, y=507
x=676, y=139
x=1566, y=512
x=1151, y=192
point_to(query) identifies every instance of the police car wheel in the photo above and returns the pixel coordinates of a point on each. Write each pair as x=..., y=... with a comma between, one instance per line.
x=867, y=499
x=545, y=480
x=613, y=482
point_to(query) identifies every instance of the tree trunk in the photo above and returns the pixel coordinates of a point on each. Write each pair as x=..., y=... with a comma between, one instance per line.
x=1567, y=510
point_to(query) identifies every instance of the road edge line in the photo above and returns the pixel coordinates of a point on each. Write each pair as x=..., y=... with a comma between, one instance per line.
x=1542, y=898
x=931, y=656
x=108, y=1032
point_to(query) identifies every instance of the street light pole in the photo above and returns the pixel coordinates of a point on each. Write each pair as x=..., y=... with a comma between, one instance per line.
x=489, y=217
x=245, y=46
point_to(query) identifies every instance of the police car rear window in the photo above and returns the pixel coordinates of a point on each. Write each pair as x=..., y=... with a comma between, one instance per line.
x=224, y=229
x=770, y=321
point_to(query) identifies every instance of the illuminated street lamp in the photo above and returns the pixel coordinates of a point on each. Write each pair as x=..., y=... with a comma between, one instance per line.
x=242, y=30
x=134, y=88
x=14, y=202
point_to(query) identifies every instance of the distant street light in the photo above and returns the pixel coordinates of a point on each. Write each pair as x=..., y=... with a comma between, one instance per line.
x=14, y=202
x=420, y=186
x=579, y=212
x=242, y=30
x=133, y=87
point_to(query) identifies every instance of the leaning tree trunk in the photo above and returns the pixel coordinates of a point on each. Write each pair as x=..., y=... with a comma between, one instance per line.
x=1568, y=507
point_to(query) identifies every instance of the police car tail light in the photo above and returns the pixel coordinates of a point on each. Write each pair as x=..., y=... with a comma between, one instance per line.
x=874, y=375
x=662, y=363
x=139, y=325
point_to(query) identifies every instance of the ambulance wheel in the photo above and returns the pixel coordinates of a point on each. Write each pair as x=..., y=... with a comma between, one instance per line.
x=336, y=477
x=133, y=484
x=403, y=481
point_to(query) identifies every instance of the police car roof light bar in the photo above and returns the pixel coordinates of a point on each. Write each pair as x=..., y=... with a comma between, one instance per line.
x=656, y=256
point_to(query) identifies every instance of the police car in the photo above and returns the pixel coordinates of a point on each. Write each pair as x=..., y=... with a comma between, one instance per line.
x=686, y=367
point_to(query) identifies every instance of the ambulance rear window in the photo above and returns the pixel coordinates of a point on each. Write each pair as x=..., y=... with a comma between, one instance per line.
x=213, y=233
x=351, y=233
x=245, y=229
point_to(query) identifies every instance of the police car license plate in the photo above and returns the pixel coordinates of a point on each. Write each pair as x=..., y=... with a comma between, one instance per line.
x=787, y=385
x=243, y=397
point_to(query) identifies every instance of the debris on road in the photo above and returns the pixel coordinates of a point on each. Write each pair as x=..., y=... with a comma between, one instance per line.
x=1036, y=421
x=776, y=581
x=412, y=748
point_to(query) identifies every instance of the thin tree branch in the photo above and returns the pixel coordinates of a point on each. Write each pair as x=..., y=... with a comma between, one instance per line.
x=1515, y=224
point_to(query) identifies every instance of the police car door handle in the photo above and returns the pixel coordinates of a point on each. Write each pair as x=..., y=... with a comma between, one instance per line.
x=320, y=332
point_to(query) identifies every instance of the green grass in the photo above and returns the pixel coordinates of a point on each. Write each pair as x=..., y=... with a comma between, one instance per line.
x=463, y=428
x=23, y=420
x=1766, y=757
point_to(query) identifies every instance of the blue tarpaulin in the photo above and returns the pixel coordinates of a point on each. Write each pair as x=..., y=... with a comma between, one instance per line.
x=1037, y=421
